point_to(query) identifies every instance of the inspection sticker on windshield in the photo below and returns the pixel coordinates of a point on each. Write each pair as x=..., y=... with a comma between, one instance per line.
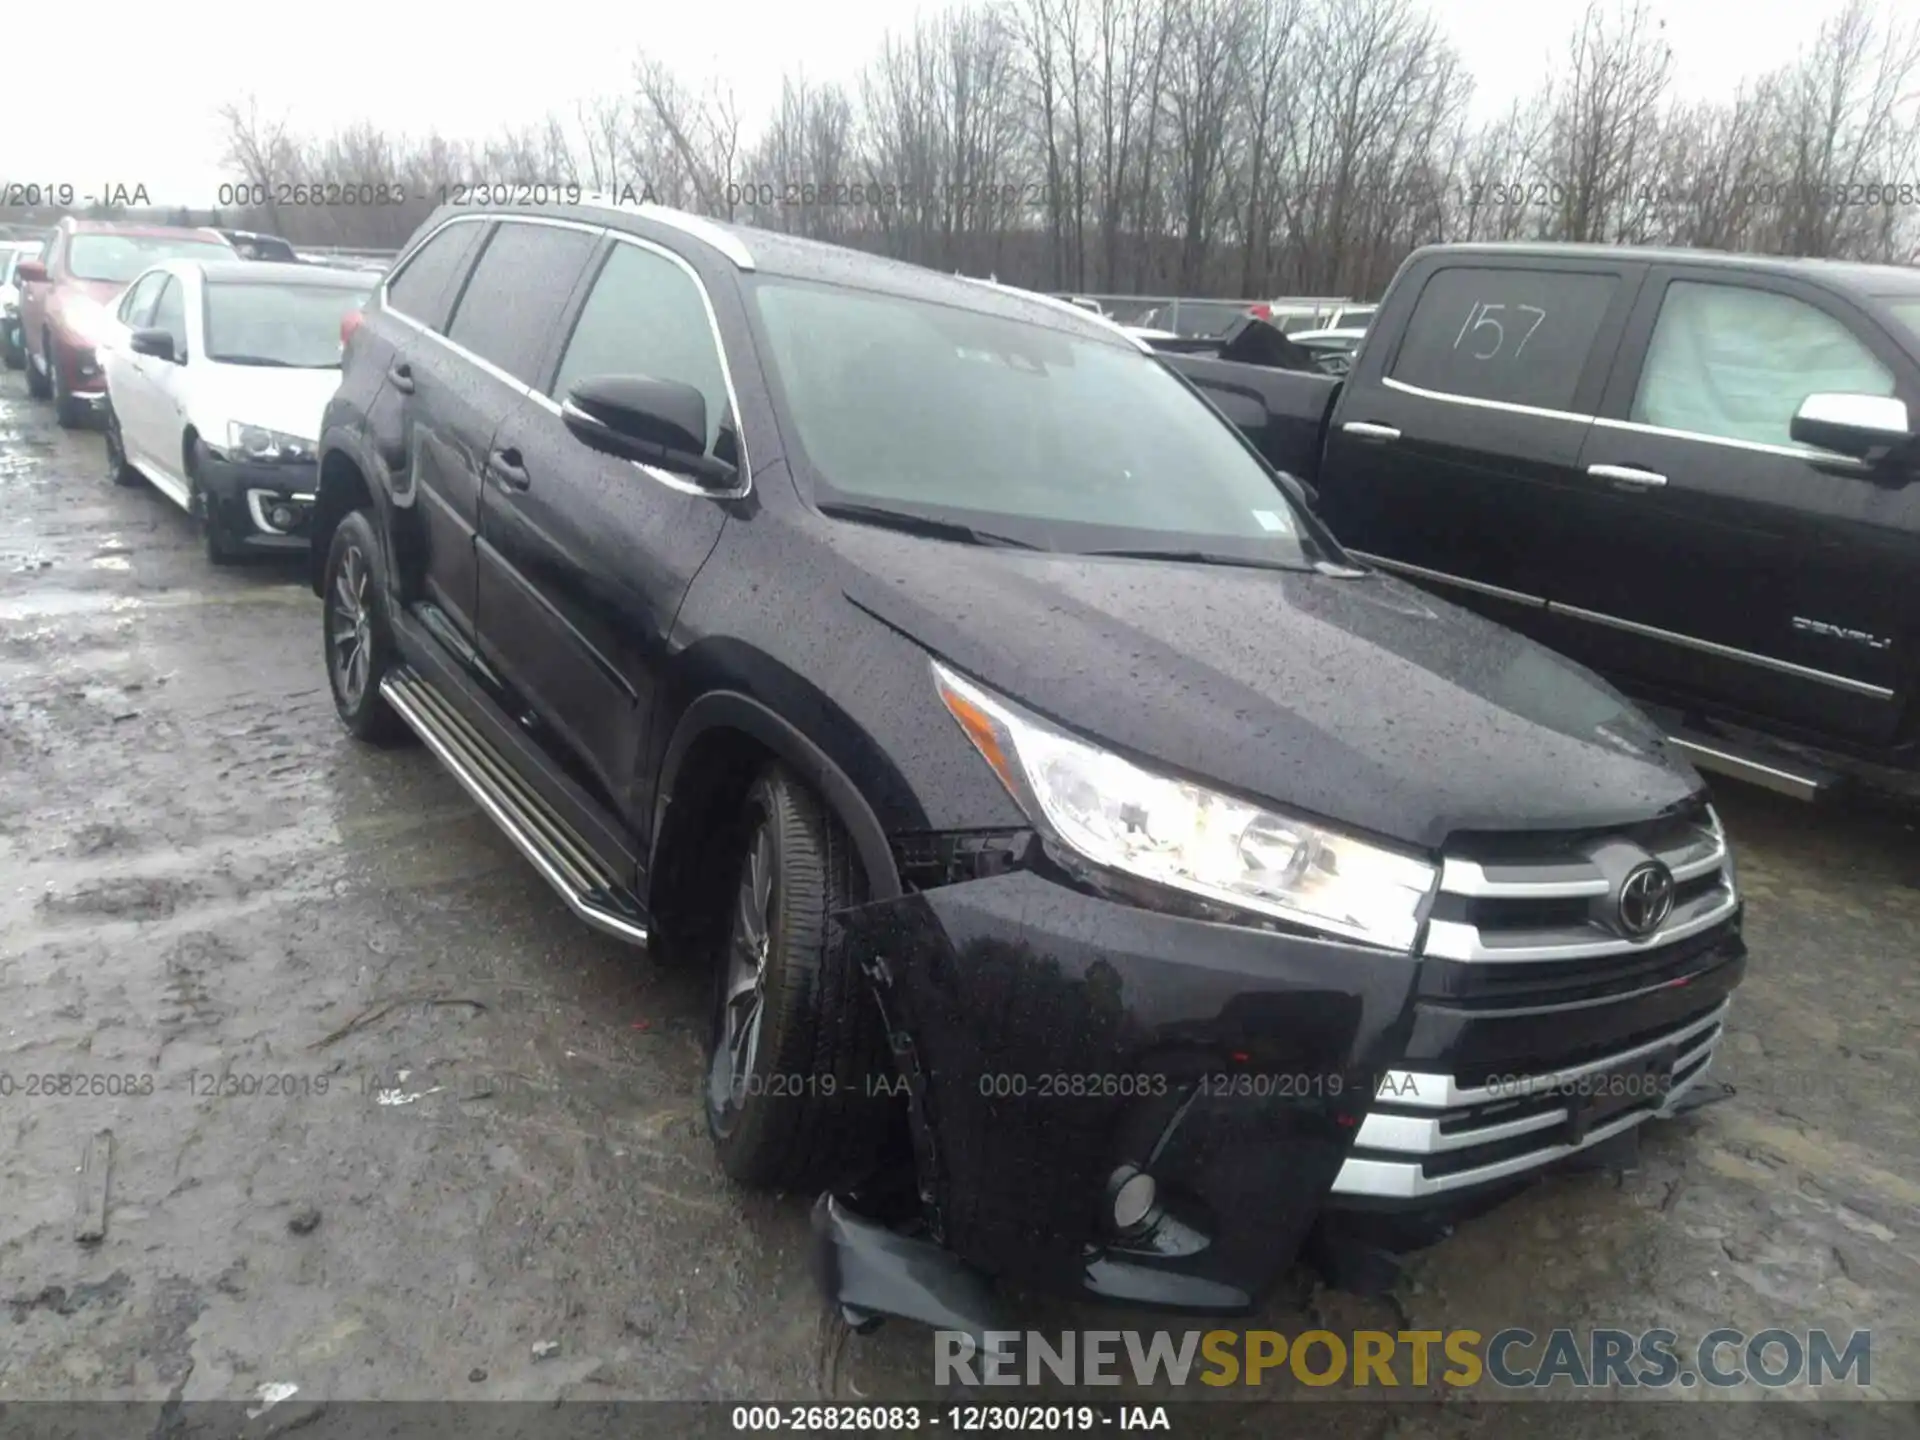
x=1269, y=520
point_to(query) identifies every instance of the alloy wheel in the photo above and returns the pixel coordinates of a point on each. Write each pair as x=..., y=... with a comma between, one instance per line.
x=743, y=999
x=350, y=628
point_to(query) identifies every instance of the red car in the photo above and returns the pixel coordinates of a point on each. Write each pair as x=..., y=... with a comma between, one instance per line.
x=66, y=297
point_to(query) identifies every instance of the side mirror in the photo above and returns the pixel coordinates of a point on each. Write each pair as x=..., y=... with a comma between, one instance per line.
x=1867, y=427
x=662, y=423
x=157, y=343
x=31, y=271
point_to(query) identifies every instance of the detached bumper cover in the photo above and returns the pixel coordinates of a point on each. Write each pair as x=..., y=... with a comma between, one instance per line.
x=1053, y=1040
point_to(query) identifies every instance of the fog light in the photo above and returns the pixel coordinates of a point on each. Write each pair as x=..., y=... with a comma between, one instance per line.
x=1133, y=1193
x=282, y=517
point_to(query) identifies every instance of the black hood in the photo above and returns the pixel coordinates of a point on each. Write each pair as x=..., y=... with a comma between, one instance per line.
x=1362, y=700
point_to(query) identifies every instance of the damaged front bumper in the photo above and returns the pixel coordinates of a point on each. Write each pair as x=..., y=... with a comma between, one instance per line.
x=1057, y=1046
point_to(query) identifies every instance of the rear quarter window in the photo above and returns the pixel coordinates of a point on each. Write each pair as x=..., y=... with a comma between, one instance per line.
x=1519, y=336
x=423, y=288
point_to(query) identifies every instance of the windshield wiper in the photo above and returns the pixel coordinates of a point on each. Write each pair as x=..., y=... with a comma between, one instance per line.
x=1199, y=557
x=923, y=525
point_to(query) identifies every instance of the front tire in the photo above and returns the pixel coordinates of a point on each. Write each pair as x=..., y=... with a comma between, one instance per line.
x=118, y=470
x=359, y=646
x=795, y=1043
x=221, y=549
x=68, y=413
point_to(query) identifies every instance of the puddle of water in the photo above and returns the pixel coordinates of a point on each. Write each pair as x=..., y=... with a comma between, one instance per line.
x=113, y=562
x=65, y=602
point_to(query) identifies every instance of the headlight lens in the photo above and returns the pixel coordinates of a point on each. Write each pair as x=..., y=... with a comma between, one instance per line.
x=1178, y=834
x=1720, y=833
x=257, y=442
x=86, y=319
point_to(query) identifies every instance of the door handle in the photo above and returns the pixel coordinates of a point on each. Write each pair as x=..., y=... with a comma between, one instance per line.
x=1627, y=477
x=506, y=467
x=400, y=376
x=1366, y=430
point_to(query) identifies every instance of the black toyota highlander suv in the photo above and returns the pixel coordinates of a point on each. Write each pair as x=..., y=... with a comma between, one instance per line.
x=1101, y=875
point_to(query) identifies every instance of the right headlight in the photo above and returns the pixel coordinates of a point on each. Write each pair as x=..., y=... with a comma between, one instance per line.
x=1172, y=832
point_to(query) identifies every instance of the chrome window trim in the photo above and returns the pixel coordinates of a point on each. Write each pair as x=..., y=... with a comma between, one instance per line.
x=1729, y=652
x=652, y=472
x=1441, y=577
x=672, y=482
x=1634, y=427
x=698, y=226
x=1510, y=407
x=406, y=258
x=1791, y=452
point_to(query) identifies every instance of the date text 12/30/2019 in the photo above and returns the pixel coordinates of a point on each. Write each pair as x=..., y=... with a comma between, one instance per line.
x=959, y=1419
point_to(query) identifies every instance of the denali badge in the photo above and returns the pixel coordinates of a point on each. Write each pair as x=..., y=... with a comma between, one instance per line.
x=1646, y=898
x=1841, y=632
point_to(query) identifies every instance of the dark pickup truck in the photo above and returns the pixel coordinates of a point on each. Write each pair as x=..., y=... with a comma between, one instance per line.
x=1695, y=472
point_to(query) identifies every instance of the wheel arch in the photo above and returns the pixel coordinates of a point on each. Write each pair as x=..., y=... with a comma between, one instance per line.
x=343, y=488
x=721, y=718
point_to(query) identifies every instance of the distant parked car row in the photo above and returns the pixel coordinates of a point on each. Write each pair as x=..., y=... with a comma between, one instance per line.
x=210, y=370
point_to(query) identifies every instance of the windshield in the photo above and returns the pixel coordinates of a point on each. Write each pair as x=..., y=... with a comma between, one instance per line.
x=292, y=325
x=1059, y=441
x=121, y=257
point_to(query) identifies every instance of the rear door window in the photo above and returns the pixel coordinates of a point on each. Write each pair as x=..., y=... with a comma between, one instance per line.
x=423, y=288
x=1518, y=336
x=1735, y=362
x=518, y=288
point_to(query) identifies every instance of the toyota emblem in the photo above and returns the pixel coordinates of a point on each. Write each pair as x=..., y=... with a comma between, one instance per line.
x=1646, y=898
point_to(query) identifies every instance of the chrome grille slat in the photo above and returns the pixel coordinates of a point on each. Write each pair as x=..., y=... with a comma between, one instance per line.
x=1561, y=875
x=1392, y=1148
x=1458, y=940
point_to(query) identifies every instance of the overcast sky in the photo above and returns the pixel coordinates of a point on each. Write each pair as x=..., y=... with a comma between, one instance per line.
x=127, y=91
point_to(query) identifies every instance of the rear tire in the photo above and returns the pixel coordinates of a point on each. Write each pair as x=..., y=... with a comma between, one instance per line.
x=40, y=386
x=359, y=647
x=795, y=1043
x=118, y=470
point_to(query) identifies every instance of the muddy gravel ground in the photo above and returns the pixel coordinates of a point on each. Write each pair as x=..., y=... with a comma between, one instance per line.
x=386, y=1119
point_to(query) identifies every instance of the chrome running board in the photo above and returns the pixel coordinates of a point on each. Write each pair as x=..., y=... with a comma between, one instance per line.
x=564, y=861
x=1783, y=774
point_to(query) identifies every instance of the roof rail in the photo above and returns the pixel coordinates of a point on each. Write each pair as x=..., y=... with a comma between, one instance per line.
x=1055, y=303
x=698, y=226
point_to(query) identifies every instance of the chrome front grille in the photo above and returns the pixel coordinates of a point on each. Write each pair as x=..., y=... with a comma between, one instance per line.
x=1562, y=900
x=1527, y=927
x=1428, y=1134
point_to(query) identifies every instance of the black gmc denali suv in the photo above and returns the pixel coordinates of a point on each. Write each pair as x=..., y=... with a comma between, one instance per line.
x=1101, y=877
x=1696, y=472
